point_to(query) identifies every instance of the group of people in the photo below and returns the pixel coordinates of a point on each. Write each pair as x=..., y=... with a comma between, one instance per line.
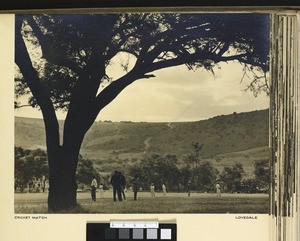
x=118, y=182
x=152, y=190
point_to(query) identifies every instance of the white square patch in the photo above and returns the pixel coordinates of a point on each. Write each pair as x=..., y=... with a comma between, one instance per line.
x=165, y=234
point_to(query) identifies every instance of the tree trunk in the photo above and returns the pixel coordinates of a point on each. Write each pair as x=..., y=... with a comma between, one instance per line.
x=62, y=181
x=62, y=166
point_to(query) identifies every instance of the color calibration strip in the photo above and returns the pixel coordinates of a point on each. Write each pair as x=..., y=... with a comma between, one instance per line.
x=104, y=232
x=133, y=224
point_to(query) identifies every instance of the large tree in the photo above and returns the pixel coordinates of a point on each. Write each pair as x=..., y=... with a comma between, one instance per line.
x=76, y=50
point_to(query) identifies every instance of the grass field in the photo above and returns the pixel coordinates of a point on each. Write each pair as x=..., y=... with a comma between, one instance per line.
x=173, y=203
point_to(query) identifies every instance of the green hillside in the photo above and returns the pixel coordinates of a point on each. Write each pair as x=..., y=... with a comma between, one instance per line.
x=245, y=134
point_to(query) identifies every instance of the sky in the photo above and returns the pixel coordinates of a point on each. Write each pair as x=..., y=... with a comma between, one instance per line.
x=176, y=94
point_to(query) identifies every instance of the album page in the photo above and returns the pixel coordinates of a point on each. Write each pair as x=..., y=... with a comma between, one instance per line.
x=149, y=116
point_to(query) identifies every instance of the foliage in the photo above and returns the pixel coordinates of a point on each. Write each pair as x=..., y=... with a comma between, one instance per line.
x=206, y=177
x=153, y=41
x=262, y=174
x=198, y=150
x=197, y=175
x=86, y=171
x=105, y=181
x=201, y=178
x=232, y=178
x=157, y=169
x=249, y=186
x=191, y=160
x=32, y=165
x=29, y=165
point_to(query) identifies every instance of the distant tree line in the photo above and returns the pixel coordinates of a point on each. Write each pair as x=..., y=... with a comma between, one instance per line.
x=190, y=173
x=31, y=168
x=31, y=171
x=199, y=176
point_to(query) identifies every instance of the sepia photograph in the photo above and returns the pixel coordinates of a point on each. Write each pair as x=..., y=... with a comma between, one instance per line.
x=142, y=113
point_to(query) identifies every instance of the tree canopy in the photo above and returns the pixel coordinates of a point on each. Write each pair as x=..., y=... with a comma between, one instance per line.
x=77, y=49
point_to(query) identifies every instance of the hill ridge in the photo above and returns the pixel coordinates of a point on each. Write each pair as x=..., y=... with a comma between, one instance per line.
x=219, y=134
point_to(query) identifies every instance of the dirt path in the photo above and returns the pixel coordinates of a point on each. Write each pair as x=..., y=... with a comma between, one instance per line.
x=147, y=143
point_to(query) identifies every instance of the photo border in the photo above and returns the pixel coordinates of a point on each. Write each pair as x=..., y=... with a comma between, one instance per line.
x=284, y=123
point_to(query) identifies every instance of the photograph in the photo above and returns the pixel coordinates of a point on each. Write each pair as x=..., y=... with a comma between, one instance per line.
x=142, y=112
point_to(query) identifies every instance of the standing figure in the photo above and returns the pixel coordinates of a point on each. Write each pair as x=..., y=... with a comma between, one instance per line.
x=164, y=189
x=123, y=185
x=152, y=190
x=115, y=182
x=135, y=187
x=94, y=186
x=189, y=188
x=218, y=189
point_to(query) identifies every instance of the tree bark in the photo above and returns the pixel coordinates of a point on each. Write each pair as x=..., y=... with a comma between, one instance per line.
x=62, y=169
x=62, y=181
x=63, y=162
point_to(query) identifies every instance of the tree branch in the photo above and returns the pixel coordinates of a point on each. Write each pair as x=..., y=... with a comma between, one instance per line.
x=48, y=52
x=129, y=52
x=142, y=67
x=83, y=105
x=115, y=88
x=30, y=75
x=197, y=57
x=21, y=106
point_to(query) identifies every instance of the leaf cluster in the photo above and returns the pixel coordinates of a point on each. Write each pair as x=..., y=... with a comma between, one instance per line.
x=71, y=47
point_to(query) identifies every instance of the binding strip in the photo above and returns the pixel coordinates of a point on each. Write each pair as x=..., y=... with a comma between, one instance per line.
x=284, y=124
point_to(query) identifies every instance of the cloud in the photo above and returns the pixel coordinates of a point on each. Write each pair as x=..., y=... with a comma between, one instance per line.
x=176, y=94
x=180, y=95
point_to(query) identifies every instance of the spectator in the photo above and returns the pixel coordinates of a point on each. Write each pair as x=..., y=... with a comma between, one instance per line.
x=94, y=186
x=123, y=185
x=152, y=190
x=164, y=189
x=115, y=182
x=135, y=186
